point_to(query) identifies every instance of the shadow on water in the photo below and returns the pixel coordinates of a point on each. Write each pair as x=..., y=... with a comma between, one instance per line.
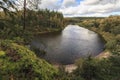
x=68, y=45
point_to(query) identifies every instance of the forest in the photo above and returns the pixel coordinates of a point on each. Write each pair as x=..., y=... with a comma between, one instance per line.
x=19, y=62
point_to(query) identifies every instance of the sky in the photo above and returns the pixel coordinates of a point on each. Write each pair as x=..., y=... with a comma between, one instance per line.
x=74, y=8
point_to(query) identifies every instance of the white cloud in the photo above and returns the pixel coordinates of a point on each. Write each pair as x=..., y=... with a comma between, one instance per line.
x=49, y=4
x=90, y=2
x=68, y=3
x=93, y=8
x=85, y=8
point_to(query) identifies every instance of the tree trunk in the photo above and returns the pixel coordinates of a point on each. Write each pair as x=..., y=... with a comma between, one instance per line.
x=24, y=26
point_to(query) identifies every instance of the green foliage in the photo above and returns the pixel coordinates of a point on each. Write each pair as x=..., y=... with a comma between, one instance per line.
x=87, y=69
x=36, y=22
x=2, y=53
x=21, y=63
x=111, y=25
x=63, y=75
x=118, y=38
x=111, y=44
x=115, y=69
x=95, y=69
x=39, y=52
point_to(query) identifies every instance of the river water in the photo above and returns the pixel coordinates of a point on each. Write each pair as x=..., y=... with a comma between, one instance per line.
x=69, y=45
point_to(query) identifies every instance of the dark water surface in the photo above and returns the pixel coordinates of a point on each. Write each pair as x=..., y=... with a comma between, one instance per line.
x=67, y=46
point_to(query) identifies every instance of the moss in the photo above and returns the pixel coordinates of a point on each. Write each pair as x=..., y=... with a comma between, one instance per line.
x=23, y=64
x=2, y=53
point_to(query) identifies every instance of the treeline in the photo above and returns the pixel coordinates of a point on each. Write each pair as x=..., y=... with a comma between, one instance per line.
x=74, y=20
x=12, y=25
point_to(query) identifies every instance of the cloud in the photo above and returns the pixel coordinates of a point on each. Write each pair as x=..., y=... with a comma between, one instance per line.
x=84, y=8
x=90, y=2
x=68, y=3
x=49, y=4
x=93, y=8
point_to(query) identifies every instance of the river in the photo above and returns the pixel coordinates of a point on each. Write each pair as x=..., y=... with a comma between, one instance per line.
x=70, y=44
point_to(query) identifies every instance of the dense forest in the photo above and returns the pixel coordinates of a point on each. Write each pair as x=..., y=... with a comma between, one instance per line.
x=36, y=22
x=19, y=62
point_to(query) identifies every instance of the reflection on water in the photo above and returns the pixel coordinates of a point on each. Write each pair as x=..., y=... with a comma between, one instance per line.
x=70, y=44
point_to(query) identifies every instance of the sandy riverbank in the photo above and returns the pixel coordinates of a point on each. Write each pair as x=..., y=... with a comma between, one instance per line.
x=71, y=67
x=104, y=54
x=68, y=68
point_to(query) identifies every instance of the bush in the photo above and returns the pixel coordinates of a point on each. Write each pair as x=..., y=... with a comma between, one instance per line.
x=95, y=69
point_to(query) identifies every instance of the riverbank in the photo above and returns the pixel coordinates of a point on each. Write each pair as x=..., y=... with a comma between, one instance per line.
x=71, y=67
x=104, y=54
x=68, y=68
x=50, y=30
